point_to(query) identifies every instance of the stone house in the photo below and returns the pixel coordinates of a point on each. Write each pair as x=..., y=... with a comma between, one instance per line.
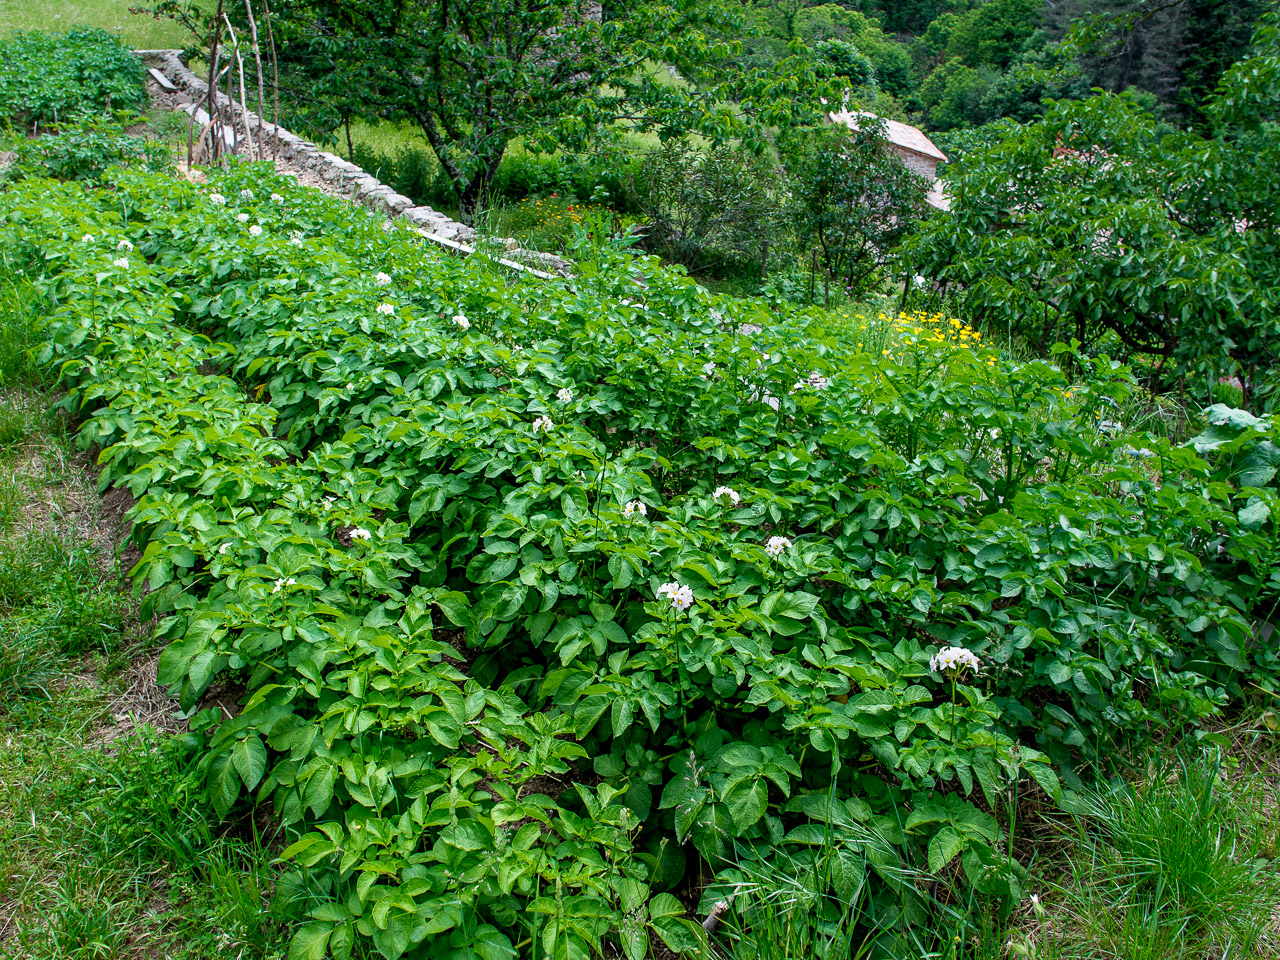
x=910, y=145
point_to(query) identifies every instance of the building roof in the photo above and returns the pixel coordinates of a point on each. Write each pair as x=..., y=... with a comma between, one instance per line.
x=899, y=134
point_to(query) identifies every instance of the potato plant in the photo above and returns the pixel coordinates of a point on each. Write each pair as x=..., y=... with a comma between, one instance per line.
x=541, y=603
x=50, y=78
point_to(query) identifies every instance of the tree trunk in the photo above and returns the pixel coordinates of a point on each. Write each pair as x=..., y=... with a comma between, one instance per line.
x=473, y=199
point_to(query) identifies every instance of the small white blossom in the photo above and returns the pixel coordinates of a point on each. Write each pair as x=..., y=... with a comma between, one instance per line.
x=224, y=548
x=564, y=394
x=350, y=386
x=634, y=508
x=282, y=583
x=954, y=658
x=360, y=533
x=276, y=198
x=218, y=199
x=462, y=322
x=727, y=493
x=777, y=546
x=709, y=368
x=255, y=231
x=125, y=245
x=295, y=238
x=386, y=309
x=87, y=238
x=382, y=279
x=242, y=217
x=246, y=194
x=681, y=597
x=543, y=424
x=123, y=262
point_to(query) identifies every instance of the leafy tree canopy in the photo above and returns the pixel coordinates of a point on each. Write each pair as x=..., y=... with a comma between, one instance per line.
x=1095, y=223
x=476, y=75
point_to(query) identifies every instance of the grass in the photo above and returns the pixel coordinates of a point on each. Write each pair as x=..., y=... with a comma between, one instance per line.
x=137, y=30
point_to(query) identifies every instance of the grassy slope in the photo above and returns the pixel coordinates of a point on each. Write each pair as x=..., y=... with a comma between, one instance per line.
x=138, y=31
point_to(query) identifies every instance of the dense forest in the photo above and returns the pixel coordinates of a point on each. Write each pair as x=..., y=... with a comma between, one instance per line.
x=955, y=64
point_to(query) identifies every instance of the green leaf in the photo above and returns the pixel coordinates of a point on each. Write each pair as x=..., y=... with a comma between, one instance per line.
x=310, y=941
x=747, y=802
x=943, y=848
x=250, y=759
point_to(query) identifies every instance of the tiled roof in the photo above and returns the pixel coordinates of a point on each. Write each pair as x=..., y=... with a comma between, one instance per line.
x=900, y=134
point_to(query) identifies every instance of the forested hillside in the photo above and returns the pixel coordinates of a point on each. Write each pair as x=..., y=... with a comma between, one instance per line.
x=963, y=63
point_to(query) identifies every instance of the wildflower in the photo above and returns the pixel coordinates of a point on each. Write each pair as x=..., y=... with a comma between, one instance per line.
x=382, y=279
x=728, y=493
x=282, y=583
x=224, y=548
x=255, y=231
x=242, y=217
x=777, y=546
x=217, y=198
x=295, y=238
x=681, y=597
x=246, y=194
x=919, y=280
x=276, y=198
x=360, y=533
x=87, y=238
x=462, y=322
x=350, y=386
x=123, y=263
x=543, y=424
x=564, y=394
x=386, y=309
x=634, y=507
x=125, y=245
x=954, y=658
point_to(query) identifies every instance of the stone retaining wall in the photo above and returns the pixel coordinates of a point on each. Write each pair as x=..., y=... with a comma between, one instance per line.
x=346, y=177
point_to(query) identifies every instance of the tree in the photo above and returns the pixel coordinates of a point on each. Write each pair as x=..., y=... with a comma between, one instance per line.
x=1095, y=224
x=476, y=74
x=851, y=199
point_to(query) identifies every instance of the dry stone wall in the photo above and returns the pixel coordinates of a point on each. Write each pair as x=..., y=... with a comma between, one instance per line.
x=344, y=176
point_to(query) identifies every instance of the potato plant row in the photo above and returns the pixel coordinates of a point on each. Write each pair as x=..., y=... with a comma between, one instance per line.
x=538, y=612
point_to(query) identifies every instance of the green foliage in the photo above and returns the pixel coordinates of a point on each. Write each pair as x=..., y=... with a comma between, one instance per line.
x=852, y=200
x=1096, y=224
x=463, y=688
x=555, y=75
x=704, y=206
x=84, y=151
x=50, y=78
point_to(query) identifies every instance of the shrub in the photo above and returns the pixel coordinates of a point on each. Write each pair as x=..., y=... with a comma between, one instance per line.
x=50, y=78
x=84, y=151
x=536, y=616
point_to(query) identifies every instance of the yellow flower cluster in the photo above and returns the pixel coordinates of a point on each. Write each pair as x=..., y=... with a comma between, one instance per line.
x=549, y=212
x=921, y=327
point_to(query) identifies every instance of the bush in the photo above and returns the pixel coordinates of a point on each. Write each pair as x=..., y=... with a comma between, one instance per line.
x=84, y=151
x=538, y=615
x=51, y=78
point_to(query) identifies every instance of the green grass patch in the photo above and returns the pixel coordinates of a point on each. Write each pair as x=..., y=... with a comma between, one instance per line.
x=135, y=30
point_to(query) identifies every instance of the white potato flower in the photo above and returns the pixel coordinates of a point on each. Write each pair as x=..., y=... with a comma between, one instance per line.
x=635, y=508
x=125, y=245
x=360, y=533
x=727, y=493
x=87, y=238
x=382, y=279
x=777, y=546
x=123, y=263
x=255, y=231
x=386, y=309
x=680, y=596
x=543, y=425
x=242, y=217
x=282, y=583
x=564, y=394
x=246, y=194
x=224, y=548
x=217, y=198
x=954, y=658
x=462, y=322
x=276, y=198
